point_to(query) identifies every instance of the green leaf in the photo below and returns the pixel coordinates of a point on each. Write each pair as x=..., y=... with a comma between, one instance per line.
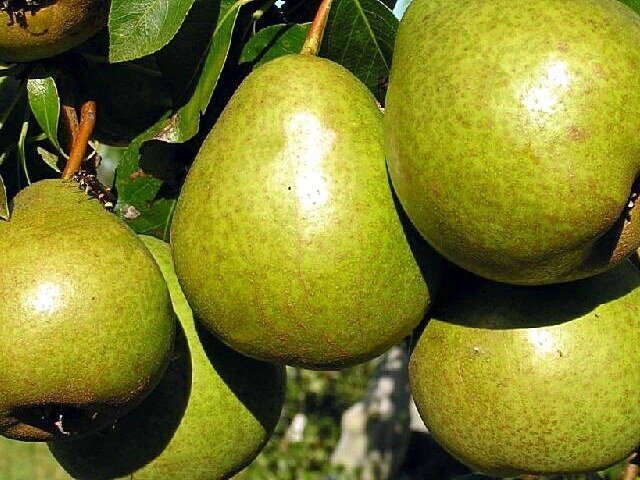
x=141, y=27
x=274, y=41
x=22, y=156
x=634, y=4
x=360, y=35
x=49, y=158
x=45, y=105
x=4, y=204
x=154, y=220
x=135, y=187
x=184, y=123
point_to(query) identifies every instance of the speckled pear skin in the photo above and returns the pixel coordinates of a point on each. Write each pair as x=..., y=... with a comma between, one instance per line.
x=511, y=133
x=285, y=236
x=539, y=380
x=52, y=29
x=208, y=418
x=86, y=320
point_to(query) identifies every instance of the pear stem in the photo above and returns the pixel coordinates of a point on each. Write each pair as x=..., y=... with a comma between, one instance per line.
x=79, y=147
x=71, y=123
x=316, y=31
x=630, y=470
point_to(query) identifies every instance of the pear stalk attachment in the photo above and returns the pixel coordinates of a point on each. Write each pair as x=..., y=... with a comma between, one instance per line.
x=80, y=138
x=316, y=31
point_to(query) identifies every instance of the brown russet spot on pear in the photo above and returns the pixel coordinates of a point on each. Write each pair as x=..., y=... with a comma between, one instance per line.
x=286, y=238
x=526, y=116
x=35, y=29
x=86, y=316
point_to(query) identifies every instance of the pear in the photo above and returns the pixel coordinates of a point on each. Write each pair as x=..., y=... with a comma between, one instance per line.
x=209, y=417
x=511, y=133
x=43, y=28
x=286, y=239
x=86, y=318
x=534, y=380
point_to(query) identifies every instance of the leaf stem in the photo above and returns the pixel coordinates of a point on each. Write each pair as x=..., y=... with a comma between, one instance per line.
x=79, y=147
x=316, y=31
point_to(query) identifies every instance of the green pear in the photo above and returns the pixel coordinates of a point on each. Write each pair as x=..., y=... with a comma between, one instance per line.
x=511, y=133
x=28, y=461
x=86, y=318
x=534, y=380
x=286, y=238
x=208, y=418
x=47, y=27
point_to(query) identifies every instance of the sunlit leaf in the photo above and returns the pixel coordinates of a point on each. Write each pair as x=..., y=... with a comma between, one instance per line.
x=141, y=27
x=49, y=158
x=45, y=105
x=184, y=124
x=22, y=156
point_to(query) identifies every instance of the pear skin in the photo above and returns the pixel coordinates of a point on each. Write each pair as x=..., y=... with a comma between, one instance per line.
x=286, y=239
x=57, y=26
x=86, y=318
x=209, y=417
x=511, y=134
x=534, y=380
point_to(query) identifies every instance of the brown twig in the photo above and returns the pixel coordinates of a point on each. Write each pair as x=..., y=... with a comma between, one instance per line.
x=630, y=470
x=71, y=124
x=79, y=147
x=314, y=37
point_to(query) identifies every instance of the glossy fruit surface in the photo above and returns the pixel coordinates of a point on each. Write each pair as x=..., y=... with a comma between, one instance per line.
x=86, y=321
x=208, y=418
x=48, y=28
x=511, y=133
x=534, y=380
x=286, y=238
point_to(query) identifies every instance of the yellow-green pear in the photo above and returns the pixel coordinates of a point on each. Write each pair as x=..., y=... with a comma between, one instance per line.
x=208, y=418
x=511, y=132
x=534, y=380
x=43, y=28
x=86, y=318
x=286, y=238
